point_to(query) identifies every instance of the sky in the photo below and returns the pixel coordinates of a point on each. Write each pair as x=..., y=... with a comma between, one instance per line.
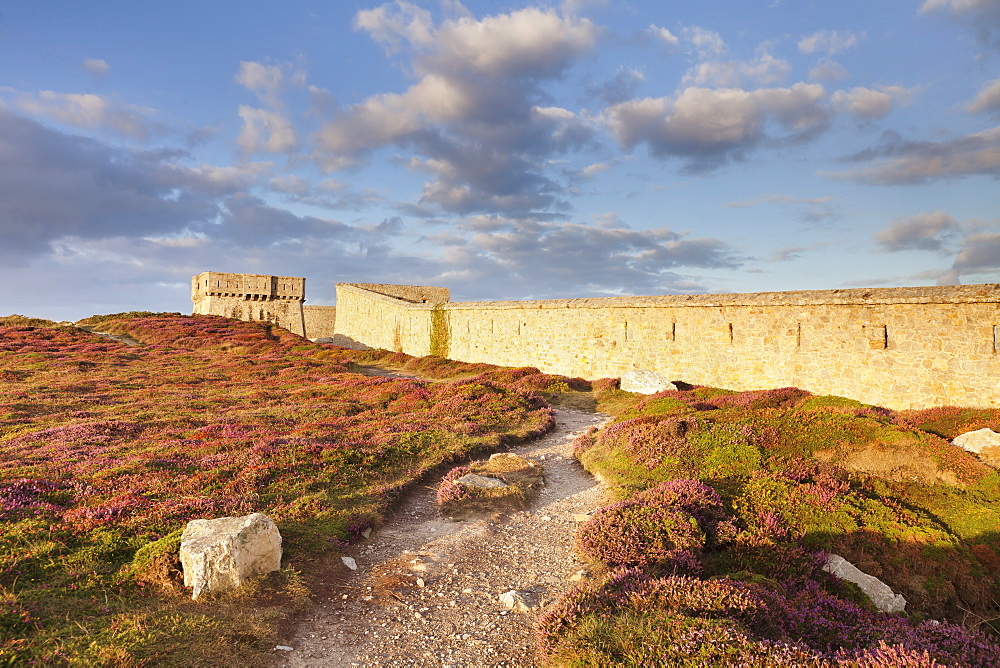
x=514, y=150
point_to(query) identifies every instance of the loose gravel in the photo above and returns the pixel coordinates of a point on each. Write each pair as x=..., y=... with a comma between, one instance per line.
x=427, y=588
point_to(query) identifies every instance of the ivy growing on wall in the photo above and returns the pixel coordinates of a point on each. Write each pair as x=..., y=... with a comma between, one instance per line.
x=440, y=332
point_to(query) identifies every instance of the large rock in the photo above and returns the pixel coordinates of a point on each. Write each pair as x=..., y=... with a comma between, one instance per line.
x=977, y=441
x=880, y=593
x=644, y=381
x=474, y=480
x=222, y=554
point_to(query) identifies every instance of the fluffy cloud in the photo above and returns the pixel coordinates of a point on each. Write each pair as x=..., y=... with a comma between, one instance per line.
x=829, y=71
x=266, y=131
x=87, y=110
x=930, y=231
x=472, y=119
x=664, y=36
x=763, y=69
x=869, y=103
x=97, y=67
x=708, y=127
x=979, y=254
x=988, y=99
x=557, y=258
x=902, y=162
x=983, y=16
x=828, y=42
x=619, y=88
x=268, y=81
x=55, y=185
x=269, y=129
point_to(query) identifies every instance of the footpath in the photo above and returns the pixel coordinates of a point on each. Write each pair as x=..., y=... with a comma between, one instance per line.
x=429, y=590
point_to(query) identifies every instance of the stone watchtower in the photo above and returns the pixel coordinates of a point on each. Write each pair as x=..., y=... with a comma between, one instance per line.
x=277, y=299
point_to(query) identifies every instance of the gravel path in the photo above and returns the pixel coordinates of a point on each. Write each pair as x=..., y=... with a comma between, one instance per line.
x=427, y=588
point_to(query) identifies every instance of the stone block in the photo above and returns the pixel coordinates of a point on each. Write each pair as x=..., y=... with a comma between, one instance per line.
x=880, y=594
x=644, y=381
x=977, y=441
x=222, y=554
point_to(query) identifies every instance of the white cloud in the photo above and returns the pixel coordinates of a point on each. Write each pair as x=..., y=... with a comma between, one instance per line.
x=828, y=71
x=87, y=110
x=472, y=119
x=265, y=131
x=828, y=41
x=590, y=171
x=929, y=231
x=763, y=69
x=868, y=103
x=979, y=254
x=710, y=126
x=983, y=16
x=664, y=35
x=97, y=67
x=708, y=44
x=901, y=162
x=268, y=82
x=987, y=100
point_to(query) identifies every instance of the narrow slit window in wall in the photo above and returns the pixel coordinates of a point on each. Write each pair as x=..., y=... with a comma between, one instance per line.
x=730, y=332
x=995, y=342
x=798, y=335
x=626, y=330
x=673, y=332
x=885, y=337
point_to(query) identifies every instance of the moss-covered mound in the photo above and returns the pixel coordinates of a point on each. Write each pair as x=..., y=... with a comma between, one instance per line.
x=796, y=477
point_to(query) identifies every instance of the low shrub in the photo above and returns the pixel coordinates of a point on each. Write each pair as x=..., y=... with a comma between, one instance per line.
x=523, y=478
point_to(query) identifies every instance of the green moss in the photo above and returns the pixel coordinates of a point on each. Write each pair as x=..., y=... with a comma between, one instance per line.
x=831, y=401
x=440, y=332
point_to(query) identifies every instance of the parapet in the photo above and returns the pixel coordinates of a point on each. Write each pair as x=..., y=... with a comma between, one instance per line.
x=415, y=294
x=247, y=286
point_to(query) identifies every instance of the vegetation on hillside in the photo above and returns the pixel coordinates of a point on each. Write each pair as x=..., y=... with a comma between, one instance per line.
x=724, y=504
x=729, y=503
x=107, y=450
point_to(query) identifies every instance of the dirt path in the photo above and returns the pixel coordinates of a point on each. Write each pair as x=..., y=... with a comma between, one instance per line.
x=114, y=337
x=427, y=589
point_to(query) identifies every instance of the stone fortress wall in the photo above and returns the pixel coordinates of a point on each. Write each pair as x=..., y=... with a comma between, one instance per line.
x=894, y=347
x=260, y=297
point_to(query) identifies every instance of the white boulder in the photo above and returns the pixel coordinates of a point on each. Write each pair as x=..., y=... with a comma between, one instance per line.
x=222, y=554
x=879, y=592
x=473, y=480
x=644, y=381
x=977, y=441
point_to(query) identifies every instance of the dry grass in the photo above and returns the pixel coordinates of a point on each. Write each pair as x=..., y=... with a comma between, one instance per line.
x=523, y=477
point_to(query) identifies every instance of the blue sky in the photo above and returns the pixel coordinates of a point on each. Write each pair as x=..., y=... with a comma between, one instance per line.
x=505, y=151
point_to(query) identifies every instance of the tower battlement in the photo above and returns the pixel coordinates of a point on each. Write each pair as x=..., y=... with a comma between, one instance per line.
x=247, y=286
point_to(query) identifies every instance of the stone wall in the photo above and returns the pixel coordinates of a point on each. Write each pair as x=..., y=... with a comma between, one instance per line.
x=259, y=297
x=895, y=347
x=379, y=321
x=321, y=321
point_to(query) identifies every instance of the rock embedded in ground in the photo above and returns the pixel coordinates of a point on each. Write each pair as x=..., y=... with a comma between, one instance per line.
x=473, y=480
x=880, y=594
x=977, y=441
x=645, y=382
x=222, y=554
x=515, y=600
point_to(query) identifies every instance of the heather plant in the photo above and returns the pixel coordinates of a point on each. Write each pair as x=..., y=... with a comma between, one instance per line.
x=107, y=450
x=630, y=618
x=16, y=320
x=795, y=477
x=634, y=533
